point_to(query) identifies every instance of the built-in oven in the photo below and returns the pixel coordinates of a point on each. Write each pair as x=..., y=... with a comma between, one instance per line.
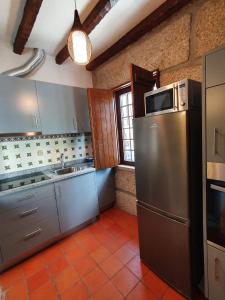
x=170, y=98
x=216, y=212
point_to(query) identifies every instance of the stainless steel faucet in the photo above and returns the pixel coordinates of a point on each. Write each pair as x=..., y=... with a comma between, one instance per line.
x=62, y=161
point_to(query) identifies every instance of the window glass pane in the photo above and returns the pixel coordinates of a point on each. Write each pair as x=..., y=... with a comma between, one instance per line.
x=125, y=123
x=126, y=145
x=126, y=114
x=130, y=110
x=131, y=133
x=124, y=111
x=132, y=145
x=131, y=122
x=123, y=99
x=126, y=134
x=132, y=156
x=127, y=155
x=129, y=95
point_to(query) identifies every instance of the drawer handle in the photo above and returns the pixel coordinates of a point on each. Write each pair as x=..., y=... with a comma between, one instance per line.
x=29, y=212
x=27, y=197
x=32, y=234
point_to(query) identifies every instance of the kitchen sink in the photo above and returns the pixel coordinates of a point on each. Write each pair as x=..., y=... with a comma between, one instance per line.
x=68, y=170
x=65, y=171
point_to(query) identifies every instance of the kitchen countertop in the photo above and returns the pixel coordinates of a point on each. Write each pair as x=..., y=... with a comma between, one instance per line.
x=53, y=177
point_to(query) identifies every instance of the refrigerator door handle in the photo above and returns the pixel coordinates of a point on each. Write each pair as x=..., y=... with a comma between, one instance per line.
x=217, y=188
x=163, y=213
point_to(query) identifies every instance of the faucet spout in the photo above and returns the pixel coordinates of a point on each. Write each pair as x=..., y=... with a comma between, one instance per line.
x=62, y=161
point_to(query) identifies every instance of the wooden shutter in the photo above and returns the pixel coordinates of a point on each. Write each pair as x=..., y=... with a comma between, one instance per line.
x=142, y=81
x=104, y=128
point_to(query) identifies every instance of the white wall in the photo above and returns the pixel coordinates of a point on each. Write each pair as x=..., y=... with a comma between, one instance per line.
x=67, y=73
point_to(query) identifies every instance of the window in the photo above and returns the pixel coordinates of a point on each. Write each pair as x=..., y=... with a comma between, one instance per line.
x=124, y=106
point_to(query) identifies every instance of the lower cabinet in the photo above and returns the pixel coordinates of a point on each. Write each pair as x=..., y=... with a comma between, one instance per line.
x=77, y=201
x=216, y=273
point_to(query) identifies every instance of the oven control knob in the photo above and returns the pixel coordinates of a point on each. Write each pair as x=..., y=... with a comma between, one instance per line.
x=182, y=103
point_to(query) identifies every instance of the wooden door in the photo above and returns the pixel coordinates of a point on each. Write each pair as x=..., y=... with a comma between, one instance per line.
x=142, y=81
x=104, y=128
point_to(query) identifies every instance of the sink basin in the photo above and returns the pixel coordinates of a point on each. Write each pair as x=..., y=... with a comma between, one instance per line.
x=65, y=171
x=68, y=170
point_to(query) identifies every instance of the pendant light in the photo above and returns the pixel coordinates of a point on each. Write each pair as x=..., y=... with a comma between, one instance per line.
x=78, y=43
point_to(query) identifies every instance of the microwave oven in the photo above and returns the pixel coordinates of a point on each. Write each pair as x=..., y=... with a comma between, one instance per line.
x=172, y=98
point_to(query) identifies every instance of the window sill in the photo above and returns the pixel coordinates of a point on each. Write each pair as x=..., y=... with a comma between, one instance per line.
x=126, y=168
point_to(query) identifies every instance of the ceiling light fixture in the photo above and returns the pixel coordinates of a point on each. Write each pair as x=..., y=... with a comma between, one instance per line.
x=78, y=43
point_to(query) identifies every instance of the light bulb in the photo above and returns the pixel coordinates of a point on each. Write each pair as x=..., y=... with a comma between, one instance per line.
x=79, y=47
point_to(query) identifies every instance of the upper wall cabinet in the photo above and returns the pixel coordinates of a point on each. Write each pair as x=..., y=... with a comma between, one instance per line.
x=19, y=108
x=57, y=108
x=215, y=68
x=63, y=109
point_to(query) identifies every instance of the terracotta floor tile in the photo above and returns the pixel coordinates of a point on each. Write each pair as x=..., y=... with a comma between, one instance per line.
x=11, y=276
x=171, y=294
x=66, y=279
x=17, y=292
x=125, y=281
x=51, y=254
x=75, y=254
x=32, y=265
x=67, y=244
x=82, y=234
x=57, y=265
x=77, y=292
x=85, y=265
x=113, y=244
x=134, y=245
x=103, y=235
x=37, y=280
x=141, y=292
x=111, y=266
x=154, y=283
x=137, y=267
x=45, y=292
x=90, y=244
x=108, y=292
x=125, y=254
x=95, y=280
x=100, y=254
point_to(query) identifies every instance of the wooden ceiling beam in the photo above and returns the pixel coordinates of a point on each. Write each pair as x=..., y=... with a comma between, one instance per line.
x=164, y=11
x=30, y=13
x=92, y=20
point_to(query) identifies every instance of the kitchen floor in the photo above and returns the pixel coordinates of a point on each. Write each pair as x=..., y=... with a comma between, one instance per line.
x=99, y=262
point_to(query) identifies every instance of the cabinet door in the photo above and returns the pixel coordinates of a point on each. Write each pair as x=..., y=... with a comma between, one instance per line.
x=77, y=200
x=57, y=108
x=106, y=188
x=215, y=124
x=82, y=110
x=19, y=108
x=215, y=68
x=216, y=273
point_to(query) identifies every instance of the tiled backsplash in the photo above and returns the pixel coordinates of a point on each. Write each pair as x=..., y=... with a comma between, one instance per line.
x=17, y=154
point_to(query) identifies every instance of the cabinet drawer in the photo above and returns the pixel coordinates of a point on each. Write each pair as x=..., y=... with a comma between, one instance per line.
x=27, y=239
x=18, y=199
x=216, y=273
x=215, y=68
x=26, y=215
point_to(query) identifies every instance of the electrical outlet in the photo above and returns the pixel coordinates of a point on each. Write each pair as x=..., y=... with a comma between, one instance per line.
x=40, y=152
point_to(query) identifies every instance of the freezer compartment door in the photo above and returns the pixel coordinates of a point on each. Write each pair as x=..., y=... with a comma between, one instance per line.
x=161, y=162
x=164, y=247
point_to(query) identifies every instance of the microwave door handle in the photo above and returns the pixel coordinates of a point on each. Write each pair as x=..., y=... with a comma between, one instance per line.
x=175, y=98
x=217, y=188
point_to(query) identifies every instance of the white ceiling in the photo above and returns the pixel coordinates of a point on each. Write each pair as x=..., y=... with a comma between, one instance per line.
x=55, y=19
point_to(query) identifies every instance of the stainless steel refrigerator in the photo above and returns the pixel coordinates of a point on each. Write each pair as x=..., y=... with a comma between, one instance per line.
x=168, y=182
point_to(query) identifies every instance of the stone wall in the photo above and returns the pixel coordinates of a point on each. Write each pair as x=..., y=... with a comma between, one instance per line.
x=125, y=189
x=175, y=47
